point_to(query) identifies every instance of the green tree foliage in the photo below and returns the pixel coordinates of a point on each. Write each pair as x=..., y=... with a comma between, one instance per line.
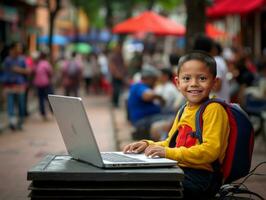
x=107, y=12
x=169, y=5
x=92, y=8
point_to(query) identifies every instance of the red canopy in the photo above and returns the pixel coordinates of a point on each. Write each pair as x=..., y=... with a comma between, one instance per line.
x=210, y=30
x=214, y=32
x=151, y=22
x=225, y=7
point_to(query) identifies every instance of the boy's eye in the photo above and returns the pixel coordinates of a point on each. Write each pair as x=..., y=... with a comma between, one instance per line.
x=186, y=78
x=202, y=78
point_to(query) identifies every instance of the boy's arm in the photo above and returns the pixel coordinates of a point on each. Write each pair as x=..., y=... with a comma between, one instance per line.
x=214, y=134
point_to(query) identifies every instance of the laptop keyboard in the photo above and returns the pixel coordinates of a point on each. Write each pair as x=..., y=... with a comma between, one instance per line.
x=113, y=157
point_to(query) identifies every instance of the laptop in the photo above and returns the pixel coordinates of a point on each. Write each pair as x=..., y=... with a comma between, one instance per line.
x=80, y=141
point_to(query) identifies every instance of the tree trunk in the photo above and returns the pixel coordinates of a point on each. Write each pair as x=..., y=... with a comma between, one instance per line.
x=52, y=16
x=109, y=14
x=76, y=24
x=150, y=4
x=196, y=20
x=51, y=32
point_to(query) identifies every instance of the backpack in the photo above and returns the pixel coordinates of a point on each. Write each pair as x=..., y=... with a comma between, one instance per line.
x=237, y=160
x=72, y=69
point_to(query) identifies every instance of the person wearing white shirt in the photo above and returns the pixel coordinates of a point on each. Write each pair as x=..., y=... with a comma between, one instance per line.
x=168, y=91
x=173, y=100
x=222, y=86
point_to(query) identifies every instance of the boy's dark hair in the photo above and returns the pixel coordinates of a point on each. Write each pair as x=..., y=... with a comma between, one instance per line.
x=200, y=56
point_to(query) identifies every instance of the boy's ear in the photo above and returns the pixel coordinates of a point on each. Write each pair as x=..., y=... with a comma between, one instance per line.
x=177, y=82
x=215, y=82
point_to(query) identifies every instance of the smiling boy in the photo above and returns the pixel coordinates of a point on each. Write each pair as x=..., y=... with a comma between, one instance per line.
x=196, y=76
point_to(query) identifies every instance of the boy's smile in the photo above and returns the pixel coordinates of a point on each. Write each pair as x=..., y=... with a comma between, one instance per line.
x=195, y=81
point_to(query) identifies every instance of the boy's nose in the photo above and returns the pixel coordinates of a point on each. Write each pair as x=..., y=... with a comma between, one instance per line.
x=194, y=83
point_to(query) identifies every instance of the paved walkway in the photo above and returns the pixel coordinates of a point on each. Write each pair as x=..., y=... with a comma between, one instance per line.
x=19, y=151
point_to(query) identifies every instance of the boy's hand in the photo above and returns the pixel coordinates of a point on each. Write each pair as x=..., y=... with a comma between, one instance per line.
x=135, y=147
x=155, y=151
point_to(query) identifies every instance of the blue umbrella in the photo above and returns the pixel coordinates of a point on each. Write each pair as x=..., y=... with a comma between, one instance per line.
x=56, y=39
x=93, y=36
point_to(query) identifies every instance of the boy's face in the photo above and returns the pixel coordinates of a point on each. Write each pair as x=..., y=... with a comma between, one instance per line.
x=195, y=81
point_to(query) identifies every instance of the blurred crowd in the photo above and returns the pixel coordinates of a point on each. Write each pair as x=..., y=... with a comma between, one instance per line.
x=144, y=84
x=240, y=79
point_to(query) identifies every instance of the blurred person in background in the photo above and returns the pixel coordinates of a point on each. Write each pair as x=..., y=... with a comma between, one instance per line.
x=43, y=73
x=173, y=100
x=167, y=89
x=141, y=105
x=30, y=60
x=58, y=68
x=244, y=79
x=87, y=72
x=135, y=64
x=222, y=87
x=262, y=79
x=252, y=93
x=105, y=74
x=72, y=75
x=15, y=72
x=3, y=55
x=118, y=73
x=96, y=73
x=255, y=95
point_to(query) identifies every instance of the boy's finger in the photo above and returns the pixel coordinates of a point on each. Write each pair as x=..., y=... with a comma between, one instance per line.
x=133, y=147
x=125, y=149
x=129, y=148
x=153, y=155
x=148, y=151
x=139, y=149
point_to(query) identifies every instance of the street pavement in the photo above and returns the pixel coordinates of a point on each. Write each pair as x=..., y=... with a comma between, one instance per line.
x=19, y=151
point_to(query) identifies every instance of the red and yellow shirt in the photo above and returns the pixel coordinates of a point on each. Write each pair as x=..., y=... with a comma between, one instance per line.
x=188, y=151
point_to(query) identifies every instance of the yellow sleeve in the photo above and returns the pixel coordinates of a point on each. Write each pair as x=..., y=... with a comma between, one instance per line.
x=214, y=134
x=165, y=143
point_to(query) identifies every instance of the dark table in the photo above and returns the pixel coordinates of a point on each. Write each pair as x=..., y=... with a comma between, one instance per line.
x=61, y=177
